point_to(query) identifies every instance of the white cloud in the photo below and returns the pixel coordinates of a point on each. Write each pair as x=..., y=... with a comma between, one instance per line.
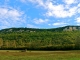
x=65, y=9
x=11, y=17
x=31, y=26
x=40, y=21
x=39, y=2
x=79, y=5
x=70, y=1
x=78, y=20
x=59, y=23
x=58, y=10
x=78, y=10
x=49, y=24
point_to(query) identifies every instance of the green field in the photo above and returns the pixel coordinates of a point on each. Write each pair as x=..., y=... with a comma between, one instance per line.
x=39, y=55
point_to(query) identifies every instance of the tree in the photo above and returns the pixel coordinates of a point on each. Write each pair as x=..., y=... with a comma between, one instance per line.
x=77, y=43
x=1, y=42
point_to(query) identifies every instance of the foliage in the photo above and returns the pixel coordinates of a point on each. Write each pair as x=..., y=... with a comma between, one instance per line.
x=39, y=39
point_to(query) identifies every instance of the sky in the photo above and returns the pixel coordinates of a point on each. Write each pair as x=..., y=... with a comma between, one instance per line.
x=39, y=13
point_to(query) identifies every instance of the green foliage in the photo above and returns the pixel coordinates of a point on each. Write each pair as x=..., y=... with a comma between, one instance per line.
x=39, y=39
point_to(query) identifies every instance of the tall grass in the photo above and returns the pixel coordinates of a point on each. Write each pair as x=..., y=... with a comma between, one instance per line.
x=41, y=55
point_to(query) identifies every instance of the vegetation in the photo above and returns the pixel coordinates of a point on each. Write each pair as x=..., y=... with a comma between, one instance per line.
x=40, y=55
x=64, y=38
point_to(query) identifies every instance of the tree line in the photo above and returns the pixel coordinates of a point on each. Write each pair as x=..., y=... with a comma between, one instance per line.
x=41, y=40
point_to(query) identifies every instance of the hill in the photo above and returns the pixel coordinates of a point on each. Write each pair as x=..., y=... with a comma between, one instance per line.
x=62, y=38
x=66, y=28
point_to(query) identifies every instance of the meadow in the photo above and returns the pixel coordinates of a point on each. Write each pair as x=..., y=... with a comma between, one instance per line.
x=39, y=55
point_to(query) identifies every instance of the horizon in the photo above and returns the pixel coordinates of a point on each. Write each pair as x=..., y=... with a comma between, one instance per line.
x=43, y=28
x=39, y=13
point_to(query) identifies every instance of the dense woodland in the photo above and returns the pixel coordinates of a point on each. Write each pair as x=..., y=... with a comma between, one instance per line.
x=39, y=39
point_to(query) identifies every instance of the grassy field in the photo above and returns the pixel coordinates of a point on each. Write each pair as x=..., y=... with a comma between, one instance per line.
x=39, y=55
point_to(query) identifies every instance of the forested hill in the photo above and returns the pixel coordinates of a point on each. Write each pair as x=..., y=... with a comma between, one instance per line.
x=62, y=38
x=66, y=28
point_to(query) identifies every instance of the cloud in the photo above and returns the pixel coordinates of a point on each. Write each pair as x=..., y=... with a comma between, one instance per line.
x=70, y=1
x=59, y=24
x=58, y=10
x=31, y=26
x=40, y=21
x=11, y=17
x=39, y=2
x=78, y=20
x=78, y=10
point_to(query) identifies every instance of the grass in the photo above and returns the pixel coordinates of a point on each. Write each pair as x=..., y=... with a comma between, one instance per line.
x=39, y=55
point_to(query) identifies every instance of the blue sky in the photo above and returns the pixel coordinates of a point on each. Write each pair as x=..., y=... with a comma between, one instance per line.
x=39, y=13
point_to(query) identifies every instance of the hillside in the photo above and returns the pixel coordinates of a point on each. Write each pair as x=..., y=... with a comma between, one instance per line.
x=66, y=28
x=62, y=38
